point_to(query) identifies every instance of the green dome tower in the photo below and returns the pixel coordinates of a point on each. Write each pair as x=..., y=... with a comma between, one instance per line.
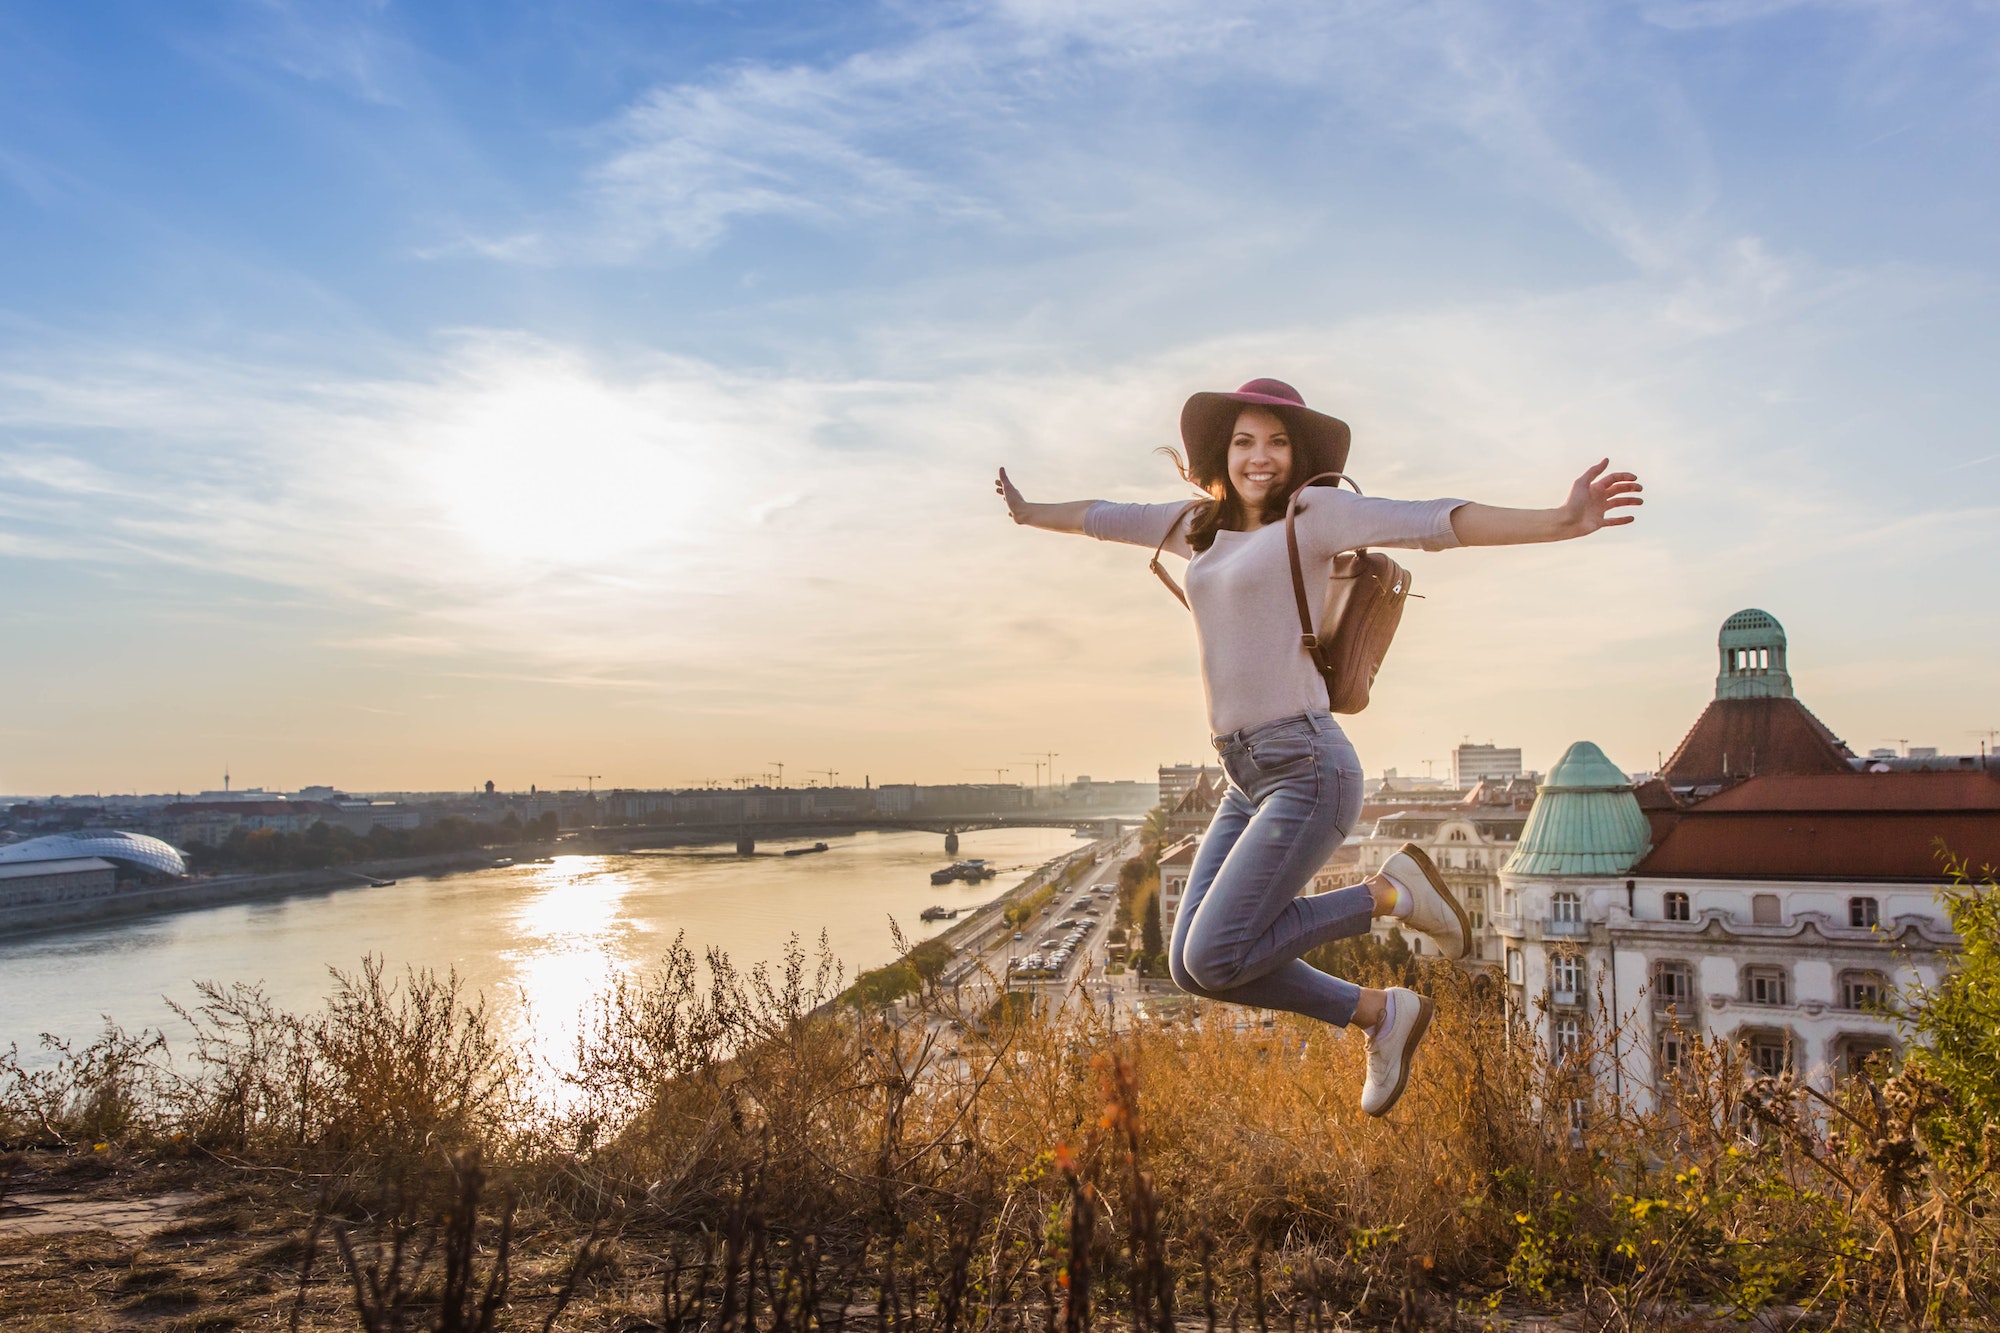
x=1586, y=821
x=1752, y=652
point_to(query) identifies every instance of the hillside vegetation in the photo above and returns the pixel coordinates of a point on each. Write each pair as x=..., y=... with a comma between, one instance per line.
x=734, y=1149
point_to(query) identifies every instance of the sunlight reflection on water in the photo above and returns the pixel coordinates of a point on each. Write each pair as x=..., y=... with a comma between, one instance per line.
x=537, y=940
x=570, y=938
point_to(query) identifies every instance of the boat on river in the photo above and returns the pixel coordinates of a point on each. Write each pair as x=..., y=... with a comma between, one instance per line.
x=939, y=913
x=805, y=851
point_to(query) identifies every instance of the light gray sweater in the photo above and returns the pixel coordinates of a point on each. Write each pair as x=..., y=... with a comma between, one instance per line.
x=1253, y=667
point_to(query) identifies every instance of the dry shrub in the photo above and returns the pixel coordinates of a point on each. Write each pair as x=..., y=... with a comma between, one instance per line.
x=387, y=1075
x=104, y=1092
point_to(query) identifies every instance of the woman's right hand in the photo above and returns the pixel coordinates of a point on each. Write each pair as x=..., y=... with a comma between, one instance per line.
x=1017, y=508
x=1064, y=517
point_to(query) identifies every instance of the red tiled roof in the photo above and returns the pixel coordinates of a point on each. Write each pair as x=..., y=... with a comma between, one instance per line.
x=1836, y=846
x=1862, y=792
x=1202, y=797
x=1660, y=806
x=1654, y=794
x=1851, y=826
x=1745, y=736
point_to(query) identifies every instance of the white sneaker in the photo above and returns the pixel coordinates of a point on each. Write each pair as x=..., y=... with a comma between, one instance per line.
x=1390, y=1049
x=1435, y=912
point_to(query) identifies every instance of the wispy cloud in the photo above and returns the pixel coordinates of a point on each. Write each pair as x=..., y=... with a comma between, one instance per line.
x=342, y=44
x=1018, y=116
x=764, y=544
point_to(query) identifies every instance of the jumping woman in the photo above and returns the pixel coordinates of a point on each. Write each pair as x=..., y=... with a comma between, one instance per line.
x=1294, y=781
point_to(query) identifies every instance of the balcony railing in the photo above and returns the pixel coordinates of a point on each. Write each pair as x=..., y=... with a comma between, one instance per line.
x=1569, y=928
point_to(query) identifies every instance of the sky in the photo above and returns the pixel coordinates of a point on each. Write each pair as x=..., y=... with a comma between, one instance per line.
x=407, y=396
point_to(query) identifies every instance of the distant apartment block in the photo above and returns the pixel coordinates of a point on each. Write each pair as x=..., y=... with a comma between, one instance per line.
x=1478, y=763
x=1176, y=780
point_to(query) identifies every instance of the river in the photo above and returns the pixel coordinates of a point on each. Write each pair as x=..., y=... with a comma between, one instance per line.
x=536, y=939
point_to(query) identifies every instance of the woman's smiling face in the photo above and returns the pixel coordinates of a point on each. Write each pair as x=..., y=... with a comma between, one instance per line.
x=1260, y=457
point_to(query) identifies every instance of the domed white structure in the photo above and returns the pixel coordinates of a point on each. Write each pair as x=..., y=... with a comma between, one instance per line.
x=133, y=851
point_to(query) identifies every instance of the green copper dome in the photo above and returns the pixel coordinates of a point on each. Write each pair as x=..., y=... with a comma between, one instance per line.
x=1586, y=821
x=1751, y=651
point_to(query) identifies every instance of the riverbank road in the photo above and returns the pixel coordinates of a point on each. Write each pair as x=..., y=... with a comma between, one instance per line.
x=1048, y=954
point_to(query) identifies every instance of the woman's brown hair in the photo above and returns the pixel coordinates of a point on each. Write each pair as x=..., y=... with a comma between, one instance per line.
x=1208, y=471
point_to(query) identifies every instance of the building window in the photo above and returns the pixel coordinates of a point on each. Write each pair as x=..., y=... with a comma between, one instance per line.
x=1863, y=990
x=1673, y=1052
x=1565, y=907
x=1764, y=910
x=1567, y=974
x=1855, y=1052
x=1864, y=912
x=1569, y=1036
x=1673, y=987
x=1766, y=985
x=1675, y=907
x=1768, y=1052
x=1457, y=835
x=1517, y=971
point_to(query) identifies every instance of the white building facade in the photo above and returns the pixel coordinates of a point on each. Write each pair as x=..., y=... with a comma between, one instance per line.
x=1792, y=970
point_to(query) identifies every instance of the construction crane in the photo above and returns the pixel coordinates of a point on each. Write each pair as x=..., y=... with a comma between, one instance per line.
x=1051, y=756
x=1902, y=743
x=781, y=770
x=831, y=774
x=589, y=780
x=998, y=773
x=1036, y=761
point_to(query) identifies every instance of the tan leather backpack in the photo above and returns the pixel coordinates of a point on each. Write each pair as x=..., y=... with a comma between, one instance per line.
x=1358, y=614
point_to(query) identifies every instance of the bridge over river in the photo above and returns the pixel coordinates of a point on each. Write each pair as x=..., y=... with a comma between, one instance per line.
x=629, y=837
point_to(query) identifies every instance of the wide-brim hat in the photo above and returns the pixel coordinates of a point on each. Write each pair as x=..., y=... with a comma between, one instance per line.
x=1209, y=419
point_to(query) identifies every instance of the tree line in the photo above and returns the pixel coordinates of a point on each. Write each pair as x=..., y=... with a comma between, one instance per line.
x=325, y=845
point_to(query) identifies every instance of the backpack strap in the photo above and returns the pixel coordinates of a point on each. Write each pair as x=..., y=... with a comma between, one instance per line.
x=1307, y=635
x=1161, y=569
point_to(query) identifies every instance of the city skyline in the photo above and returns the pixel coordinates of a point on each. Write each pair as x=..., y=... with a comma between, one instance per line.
x=391, y=399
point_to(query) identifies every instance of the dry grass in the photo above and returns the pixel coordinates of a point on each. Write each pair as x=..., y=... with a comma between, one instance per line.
x=738, y=1153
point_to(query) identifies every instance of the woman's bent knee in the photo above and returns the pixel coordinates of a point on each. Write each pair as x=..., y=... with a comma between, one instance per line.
x=1212, y=968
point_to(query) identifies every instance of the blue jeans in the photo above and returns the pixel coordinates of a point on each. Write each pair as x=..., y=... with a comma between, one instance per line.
x=1294, y=793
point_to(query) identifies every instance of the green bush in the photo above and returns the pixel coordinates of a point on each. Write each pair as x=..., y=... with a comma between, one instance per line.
x=1023, y=909
x=1957, y=1021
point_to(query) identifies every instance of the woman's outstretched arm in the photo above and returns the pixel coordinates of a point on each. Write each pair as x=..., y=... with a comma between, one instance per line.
x=1591, y=499
x=1064, y=517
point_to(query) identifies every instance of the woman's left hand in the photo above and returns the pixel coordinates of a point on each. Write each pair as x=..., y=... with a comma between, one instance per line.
x=1593, y=497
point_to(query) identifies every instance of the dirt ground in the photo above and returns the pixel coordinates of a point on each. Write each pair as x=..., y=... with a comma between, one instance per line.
x=100, y=1241
x=103, y=1242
